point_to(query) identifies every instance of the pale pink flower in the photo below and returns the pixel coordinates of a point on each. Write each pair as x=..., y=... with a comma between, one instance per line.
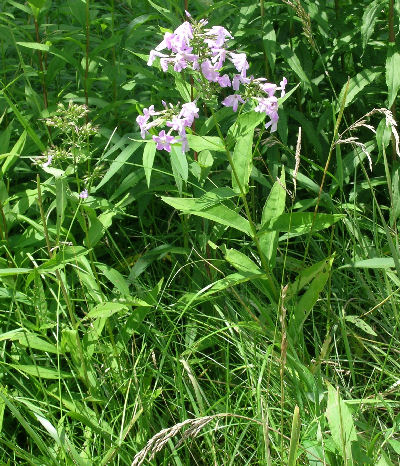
x=233, y=101
x=164, y=141
x=224, y=81
x=218, y=36
x=209, y=71
x=240, y=62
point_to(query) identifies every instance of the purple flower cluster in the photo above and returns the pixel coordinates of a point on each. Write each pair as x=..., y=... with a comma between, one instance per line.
x=204, y=51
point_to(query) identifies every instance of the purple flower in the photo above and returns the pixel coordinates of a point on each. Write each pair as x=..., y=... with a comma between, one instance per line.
x=209, y=72
x=141, y=120
x=219, y=56
x=190, y=112
x=152, y=56
x=237, y=79
x=240, y=62
x=49, y=160
x=185, y=143
x=269, y=88
x=233, y=101
x=224, y=81
x=177, y=124
x=164, y=141
x=84, y=194
x=218, y=36
x=283, y=86
x=269, y=106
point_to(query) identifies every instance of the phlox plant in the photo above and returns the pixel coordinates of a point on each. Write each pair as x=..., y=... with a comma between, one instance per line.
x=203, y=56
x=205, y=53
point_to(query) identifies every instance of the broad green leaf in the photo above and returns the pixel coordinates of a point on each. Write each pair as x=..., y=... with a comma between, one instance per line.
x=245, y=123
x=220, y=213
x=14, y=153
x=199, y=143
x=269, y=43
x=183, y=87
x=300, y=223
x=369, y=18
x=274, y=207
x=37, y=439
x=42, y=372
x=31, y=340
x=118, y=163
x=35, y=46
x=374, y=263
x=13, y=271
x=66, y=256
x=37, y=3
x=294, y=438
x=243, y=160
x=308, y=299
x=295, y=64
x=148, y=158
x=241, y=262
x=220, y=285
x=98, y=227
x=179, y=166
x=361, y=324
x=341, y=424
x=305, y=276
x=356, y=85
x=149, y=257
x=116, y=279
x=25, y=123
x=392, y=72
x=106, y=310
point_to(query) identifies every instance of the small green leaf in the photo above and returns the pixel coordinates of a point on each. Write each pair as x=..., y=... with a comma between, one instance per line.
x=307, y=301
x=300, y=223
x=274, y=207
x=374, y=263
x=361, y=324
x=356, y=85
x=241, y=262
x=13, y=271
x=98, y=227
x=392, y=73
x=14, y=153
x=42, y=372
x=66, y=256
x=106, y=310
x=148, y=158
x=220, y=213
x=35, y=46
x=242, y=161
x=341, y=424
x=179, y=165
x=118, y=163
x=369, y=19
x=269, y=42
x=199, y=143
x=294, y=63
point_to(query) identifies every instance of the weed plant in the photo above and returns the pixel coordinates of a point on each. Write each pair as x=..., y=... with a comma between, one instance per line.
x=235, y=303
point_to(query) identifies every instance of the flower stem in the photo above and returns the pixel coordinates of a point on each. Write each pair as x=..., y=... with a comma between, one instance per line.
x=271, y=281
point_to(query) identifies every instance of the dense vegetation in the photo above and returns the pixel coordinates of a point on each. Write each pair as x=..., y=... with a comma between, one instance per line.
x=161, y=308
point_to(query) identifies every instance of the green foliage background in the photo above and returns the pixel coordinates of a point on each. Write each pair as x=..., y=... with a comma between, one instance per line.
x=135, y=310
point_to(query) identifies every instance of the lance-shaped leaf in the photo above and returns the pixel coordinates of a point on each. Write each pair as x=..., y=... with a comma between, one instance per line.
x=218, y=213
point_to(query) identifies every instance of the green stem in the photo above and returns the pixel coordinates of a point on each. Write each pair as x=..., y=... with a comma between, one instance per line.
x=274, y=288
